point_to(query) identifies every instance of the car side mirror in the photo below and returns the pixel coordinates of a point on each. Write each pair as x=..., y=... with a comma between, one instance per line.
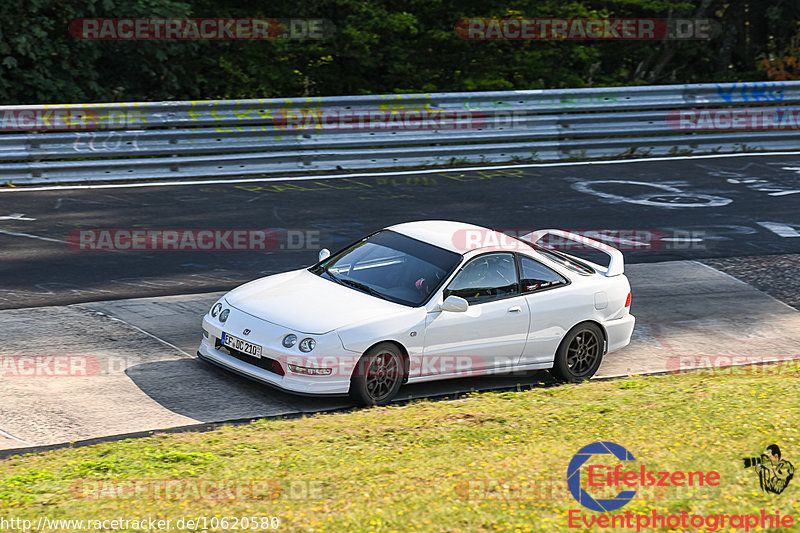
x=454, y=304
x=324, y=254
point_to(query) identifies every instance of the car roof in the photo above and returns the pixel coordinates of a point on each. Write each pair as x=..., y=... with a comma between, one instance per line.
x=458, y=237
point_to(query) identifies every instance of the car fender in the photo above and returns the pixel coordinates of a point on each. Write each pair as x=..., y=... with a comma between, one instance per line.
x=406, y=328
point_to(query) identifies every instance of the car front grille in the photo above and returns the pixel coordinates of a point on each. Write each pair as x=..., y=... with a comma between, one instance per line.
x=270, y=365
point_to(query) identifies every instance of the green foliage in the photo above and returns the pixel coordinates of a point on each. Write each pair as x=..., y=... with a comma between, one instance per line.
x=377, y=47
x=43, y=63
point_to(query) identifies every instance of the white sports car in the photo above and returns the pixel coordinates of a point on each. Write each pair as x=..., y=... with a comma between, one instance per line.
x=423, y=301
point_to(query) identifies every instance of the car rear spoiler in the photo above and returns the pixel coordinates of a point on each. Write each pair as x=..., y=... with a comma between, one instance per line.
x=616, y=264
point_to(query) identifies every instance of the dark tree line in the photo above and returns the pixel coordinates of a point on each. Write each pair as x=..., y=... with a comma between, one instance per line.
x=378, y=46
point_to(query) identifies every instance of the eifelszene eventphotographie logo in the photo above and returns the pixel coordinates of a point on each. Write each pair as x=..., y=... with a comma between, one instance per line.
x=609, y=478
x=600, y=485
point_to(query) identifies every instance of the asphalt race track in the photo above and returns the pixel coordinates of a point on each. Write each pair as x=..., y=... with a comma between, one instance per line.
x=706, y=207
x=134, y=315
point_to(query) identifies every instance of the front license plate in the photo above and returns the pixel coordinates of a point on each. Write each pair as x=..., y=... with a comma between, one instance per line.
x=241, y=345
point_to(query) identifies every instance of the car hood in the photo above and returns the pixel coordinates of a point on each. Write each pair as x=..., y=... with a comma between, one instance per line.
x=304, y=302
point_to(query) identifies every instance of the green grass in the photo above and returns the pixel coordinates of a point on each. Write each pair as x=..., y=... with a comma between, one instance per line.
x=416, y=467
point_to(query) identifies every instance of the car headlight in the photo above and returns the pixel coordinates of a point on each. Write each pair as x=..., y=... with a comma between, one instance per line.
x=307, y=344
x=216, y=309
x=223, y=316
x=289, y=340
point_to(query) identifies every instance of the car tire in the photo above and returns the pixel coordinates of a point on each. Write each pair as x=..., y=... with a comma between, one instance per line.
x=378, y=375
x=580, y=353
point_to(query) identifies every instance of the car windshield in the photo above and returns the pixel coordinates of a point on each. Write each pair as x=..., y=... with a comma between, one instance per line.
x=391, y=266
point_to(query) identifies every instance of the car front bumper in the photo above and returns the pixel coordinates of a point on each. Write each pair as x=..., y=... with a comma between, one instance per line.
x=327, y=354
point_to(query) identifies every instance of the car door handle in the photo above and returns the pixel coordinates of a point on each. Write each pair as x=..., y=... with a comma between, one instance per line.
x=515, y=309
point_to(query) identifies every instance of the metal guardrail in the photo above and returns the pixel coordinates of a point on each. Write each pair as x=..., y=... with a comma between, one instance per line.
x=99, y=142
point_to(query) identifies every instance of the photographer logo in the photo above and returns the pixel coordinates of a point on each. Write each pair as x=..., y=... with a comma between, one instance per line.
x=603, y=477
x=774, y=472
x=574, y=476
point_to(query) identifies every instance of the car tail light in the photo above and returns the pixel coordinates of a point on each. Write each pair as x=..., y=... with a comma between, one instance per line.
x=628, y=300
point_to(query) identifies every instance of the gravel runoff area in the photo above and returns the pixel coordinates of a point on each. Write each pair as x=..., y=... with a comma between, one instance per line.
x=776, y=275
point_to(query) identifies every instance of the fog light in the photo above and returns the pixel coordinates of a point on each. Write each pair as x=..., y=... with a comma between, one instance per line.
x=289, y=340
x=205, y=334
x=306, y=345
x=309, y=371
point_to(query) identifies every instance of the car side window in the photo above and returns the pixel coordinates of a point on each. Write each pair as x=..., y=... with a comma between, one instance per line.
x=486, y=277
x=536, y=276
